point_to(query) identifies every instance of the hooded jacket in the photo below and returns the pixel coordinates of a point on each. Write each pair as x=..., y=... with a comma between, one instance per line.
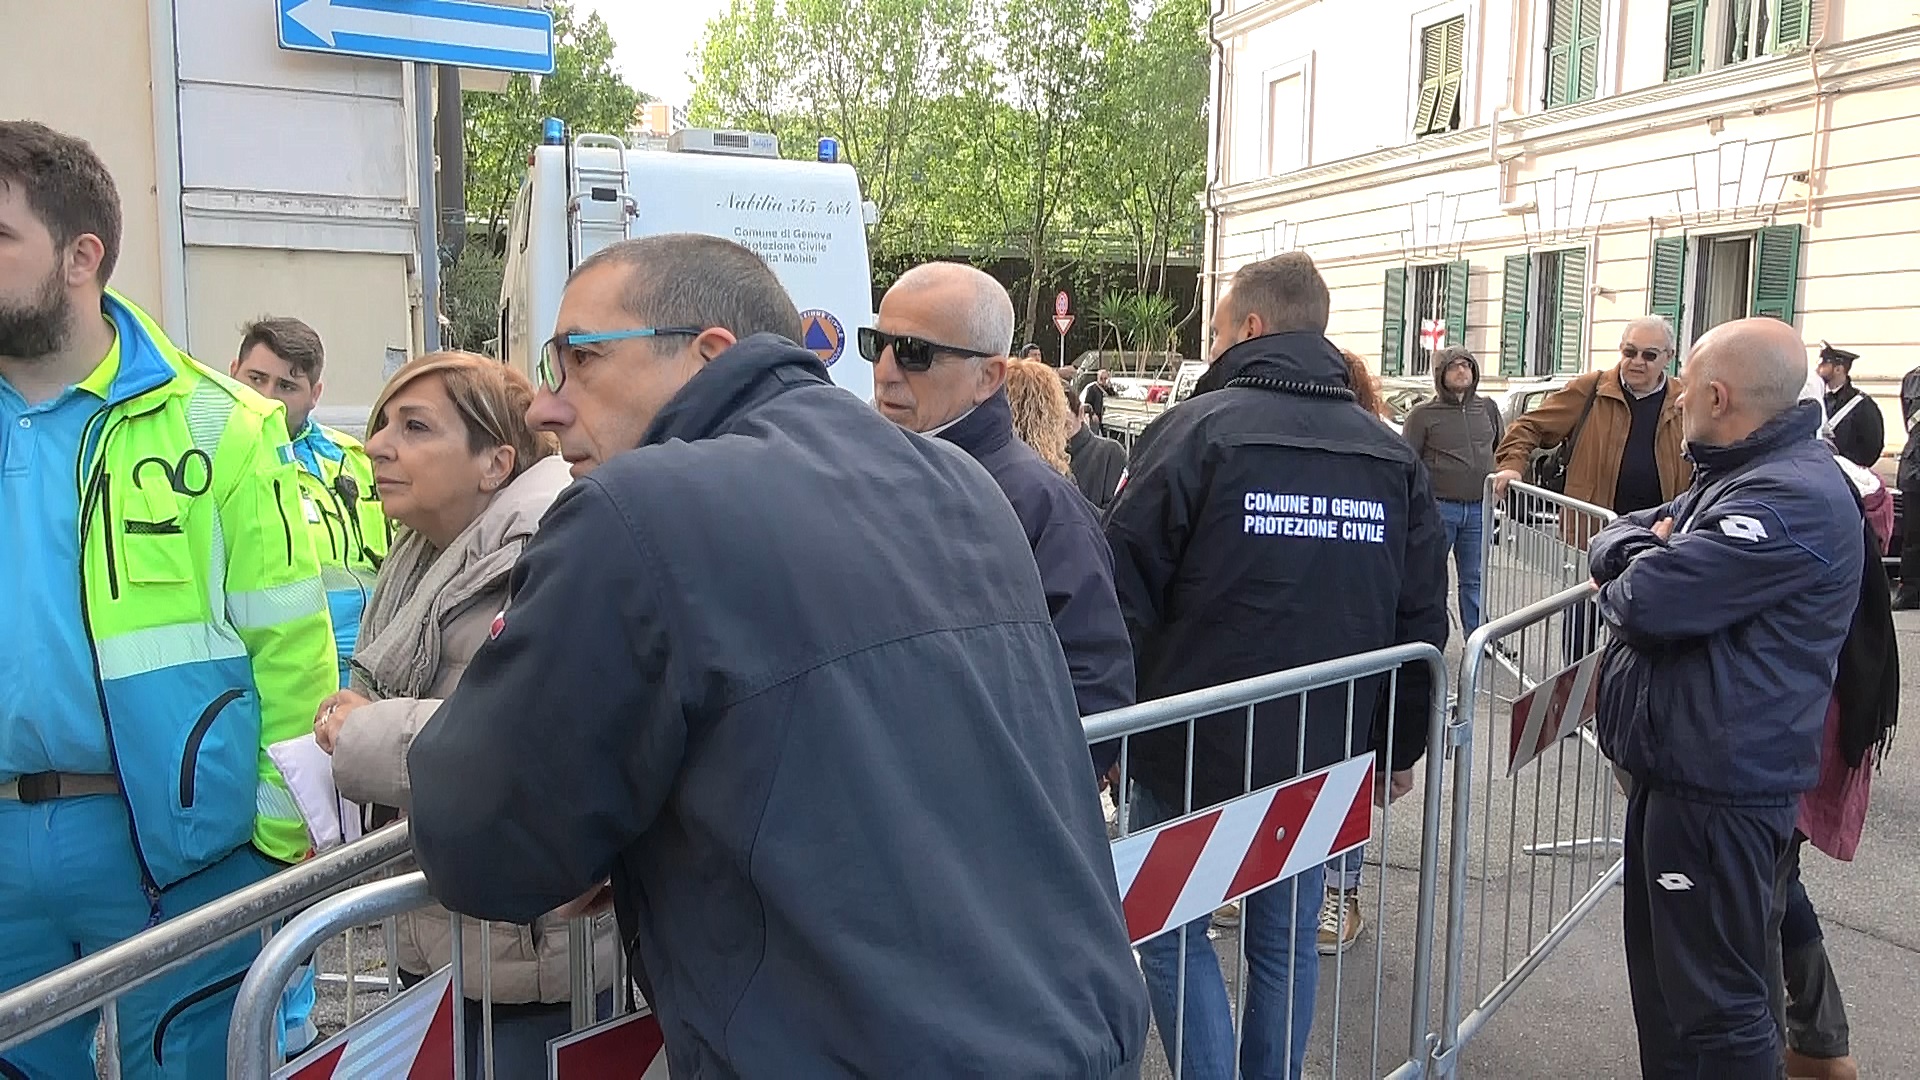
x=1455, y=437
x=786, y=674
x=1726, y=636
x=1076, y=565
x=1264, y=526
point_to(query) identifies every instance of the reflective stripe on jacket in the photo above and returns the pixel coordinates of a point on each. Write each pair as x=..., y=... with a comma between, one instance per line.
x=350, y=534
x=203, y=604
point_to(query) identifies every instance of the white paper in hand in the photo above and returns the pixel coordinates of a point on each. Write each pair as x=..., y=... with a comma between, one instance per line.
x=331, y=820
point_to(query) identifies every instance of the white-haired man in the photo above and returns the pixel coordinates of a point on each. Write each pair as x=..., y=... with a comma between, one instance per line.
x=939, y=355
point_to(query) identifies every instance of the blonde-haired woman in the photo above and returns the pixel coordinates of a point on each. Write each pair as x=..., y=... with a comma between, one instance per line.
x=466, y=481
x=1040, y=413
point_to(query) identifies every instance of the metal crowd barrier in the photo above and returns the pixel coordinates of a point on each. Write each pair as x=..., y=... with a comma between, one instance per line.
x=1545, y=850
x=1534, y=546
x=96, y=982
x=423, y=1031
x=1541, y=791
x=1254, y=847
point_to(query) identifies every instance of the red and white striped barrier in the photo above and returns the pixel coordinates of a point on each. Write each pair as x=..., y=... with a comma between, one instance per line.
x=1177, y=872
x=412, y=1037
x=1553, y=710
x=630, y=1047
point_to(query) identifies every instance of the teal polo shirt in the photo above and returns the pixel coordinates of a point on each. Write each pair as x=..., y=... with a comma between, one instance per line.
x=49, y=705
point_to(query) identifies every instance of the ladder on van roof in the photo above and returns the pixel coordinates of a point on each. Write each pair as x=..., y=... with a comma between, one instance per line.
x=599, y=205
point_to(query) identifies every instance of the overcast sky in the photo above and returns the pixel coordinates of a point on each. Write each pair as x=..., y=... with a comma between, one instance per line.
x=653, y=39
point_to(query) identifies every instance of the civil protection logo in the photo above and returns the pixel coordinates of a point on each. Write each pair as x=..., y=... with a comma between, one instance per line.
x=823, y=334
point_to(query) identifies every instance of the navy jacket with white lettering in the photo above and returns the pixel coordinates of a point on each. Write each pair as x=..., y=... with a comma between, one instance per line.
x=1726, y=637
x=785, y=673
x=1221, y=578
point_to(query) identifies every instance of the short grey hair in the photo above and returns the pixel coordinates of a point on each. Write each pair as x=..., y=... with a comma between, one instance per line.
x=985, y=322
x=1286, y=291
x=690, y=279
x=1651, y=322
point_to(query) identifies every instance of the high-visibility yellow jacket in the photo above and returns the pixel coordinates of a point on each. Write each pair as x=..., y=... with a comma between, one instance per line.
x=202, y=601
x=350, y=534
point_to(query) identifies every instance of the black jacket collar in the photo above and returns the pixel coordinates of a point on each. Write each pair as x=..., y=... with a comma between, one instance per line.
x=1798, y=424
x=746, y=375
x=986, y=429
x=1298, y=357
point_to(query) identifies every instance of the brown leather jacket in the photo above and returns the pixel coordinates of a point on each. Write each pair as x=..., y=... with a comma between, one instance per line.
x=1595, y=468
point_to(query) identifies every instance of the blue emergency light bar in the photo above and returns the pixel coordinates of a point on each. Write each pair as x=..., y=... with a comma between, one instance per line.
x=554, y=132
x=829, y=150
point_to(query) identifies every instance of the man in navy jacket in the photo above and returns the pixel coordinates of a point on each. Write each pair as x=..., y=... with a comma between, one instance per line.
x=785, y=674
x=939, y=368
x=1728, y=607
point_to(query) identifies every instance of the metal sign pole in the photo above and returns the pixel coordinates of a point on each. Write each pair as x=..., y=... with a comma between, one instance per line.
x=428, y=239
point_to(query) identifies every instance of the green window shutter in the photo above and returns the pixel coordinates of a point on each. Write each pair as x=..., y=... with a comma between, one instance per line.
x=1432, y=72
x=1666, y=284
x=1567, y=358
x=1686, y=30
x=1560, y=65
x=1791, y=24
x=1459, y=281
x=1586, y=52
x=1513, y=316
x=1452, y=58
x=1393, y=325
x=1776, y=271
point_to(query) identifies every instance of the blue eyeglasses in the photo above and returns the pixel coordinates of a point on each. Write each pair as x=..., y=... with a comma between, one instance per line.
x=562, y=350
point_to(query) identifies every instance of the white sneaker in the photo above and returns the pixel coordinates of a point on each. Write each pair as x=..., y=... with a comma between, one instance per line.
x=1340, y=922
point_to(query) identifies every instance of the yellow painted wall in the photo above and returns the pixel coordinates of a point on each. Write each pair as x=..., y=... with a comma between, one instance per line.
x=357, y=303
x=107, y=101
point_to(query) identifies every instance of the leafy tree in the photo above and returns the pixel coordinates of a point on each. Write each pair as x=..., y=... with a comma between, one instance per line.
x=1069, y=135
x=584, y=90
x=470, y=292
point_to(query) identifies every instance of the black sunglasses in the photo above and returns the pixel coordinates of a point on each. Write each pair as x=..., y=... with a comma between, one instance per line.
x=1628, y=352
x=911, y=353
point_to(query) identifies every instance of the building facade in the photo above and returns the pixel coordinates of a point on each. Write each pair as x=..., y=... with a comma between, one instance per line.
x=1526, y=178
x=253, y=180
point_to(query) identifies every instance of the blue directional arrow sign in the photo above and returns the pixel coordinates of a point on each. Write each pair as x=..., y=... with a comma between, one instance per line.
x=455, y=32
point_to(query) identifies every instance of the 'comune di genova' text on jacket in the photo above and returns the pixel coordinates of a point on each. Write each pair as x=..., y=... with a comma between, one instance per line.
x=1261, y=529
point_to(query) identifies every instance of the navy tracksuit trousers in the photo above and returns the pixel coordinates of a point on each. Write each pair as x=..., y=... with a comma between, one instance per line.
x=1702, y=932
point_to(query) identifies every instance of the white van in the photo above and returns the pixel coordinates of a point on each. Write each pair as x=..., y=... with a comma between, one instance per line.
x=806, y=218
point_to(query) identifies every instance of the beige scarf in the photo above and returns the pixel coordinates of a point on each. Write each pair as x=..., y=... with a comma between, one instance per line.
x=421, y=588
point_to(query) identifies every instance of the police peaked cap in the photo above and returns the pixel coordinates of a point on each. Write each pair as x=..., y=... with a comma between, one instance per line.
x=1837, y=356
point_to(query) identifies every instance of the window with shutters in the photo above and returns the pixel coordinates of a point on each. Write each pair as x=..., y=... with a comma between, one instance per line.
x=1573, y=51
x=1443, y=48
x=1425, y=311
x=1698, y=282
x=1543, y=314
x=1704, y=35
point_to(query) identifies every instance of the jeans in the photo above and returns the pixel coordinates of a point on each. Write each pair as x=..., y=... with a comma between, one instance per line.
x=1343, y=871
x=1465, y=530
x=1281, y=927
